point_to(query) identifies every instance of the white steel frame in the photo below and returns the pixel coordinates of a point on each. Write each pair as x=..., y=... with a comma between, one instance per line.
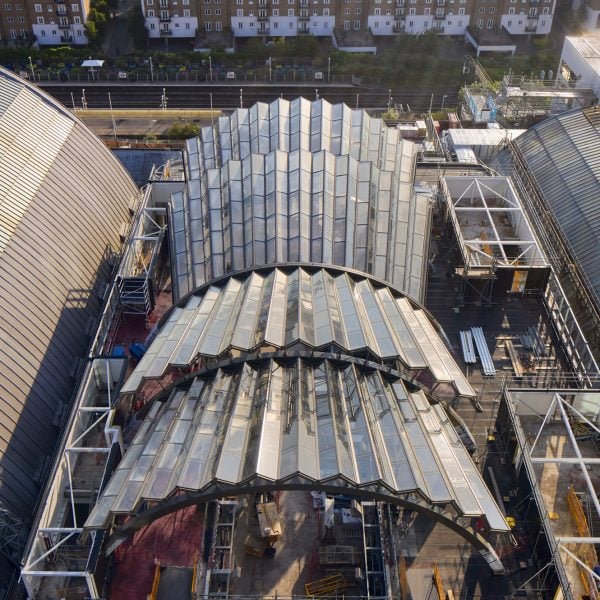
x=102, y=375
x=476, y=188
x=559, y=544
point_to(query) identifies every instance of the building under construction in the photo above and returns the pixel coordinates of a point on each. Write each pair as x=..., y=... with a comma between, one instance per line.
x=321, y=361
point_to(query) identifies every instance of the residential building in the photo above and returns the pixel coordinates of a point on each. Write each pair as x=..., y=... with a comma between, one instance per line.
x=285, y=18
x=55, y=22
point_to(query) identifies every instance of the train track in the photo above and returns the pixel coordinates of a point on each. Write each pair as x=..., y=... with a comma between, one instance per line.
x=228, y=97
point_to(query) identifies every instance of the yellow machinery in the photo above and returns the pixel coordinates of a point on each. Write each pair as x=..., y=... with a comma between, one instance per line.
x=327, y=586
x=586, y=552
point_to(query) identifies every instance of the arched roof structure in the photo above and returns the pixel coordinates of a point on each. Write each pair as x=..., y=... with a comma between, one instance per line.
x=63, y=197
x=291, y=248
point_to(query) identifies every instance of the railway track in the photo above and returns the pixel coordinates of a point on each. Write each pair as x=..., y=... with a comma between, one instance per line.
x=228, y=97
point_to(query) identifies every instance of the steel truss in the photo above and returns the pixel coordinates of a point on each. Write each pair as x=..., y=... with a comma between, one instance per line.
x=58, y=547
x=560, y=546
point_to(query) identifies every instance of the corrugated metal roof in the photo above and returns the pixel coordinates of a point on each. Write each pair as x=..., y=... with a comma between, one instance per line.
x=563, y=154
x=63, y=197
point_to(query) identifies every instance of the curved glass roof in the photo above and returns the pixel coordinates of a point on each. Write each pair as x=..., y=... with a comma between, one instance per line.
x=299, y=181
x=276, y=308
x=298, y=423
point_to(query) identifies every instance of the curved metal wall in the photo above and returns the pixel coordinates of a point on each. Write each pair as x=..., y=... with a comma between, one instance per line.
x=563, y=154
x=63, y=197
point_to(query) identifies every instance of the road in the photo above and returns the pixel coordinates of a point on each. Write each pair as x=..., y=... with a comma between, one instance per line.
x=230, y=96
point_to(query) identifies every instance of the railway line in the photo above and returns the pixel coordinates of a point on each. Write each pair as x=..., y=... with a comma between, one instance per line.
x=230, y=96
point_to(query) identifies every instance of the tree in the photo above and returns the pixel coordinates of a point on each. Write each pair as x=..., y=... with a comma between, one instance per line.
x=136, y=25
x=181, y=130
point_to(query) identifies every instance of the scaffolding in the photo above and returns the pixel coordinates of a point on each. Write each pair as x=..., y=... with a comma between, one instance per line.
x=568, y=408
x=59, y=554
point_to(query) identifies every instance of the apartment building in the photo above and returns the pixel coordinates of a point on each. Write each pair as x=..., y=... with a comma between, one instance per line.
x=284, y=18
x=50, y=22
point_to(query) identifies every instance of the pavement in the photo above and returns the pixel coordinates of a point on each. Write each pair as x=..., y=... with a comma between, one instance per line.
x=117, y=40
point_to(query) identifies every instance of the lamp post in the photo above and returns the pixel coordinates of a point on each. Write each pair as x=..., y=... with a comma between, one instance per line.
x=210, y=67
x=112, y=117
x=241, y=98
x=443, y=100
x=328, y=69
x=389, y=100
x=430, y=103
x=31, y=67
x=151, y=70
x=270, y=69
x=83, y=100
x=316, y=93
x=163, y=99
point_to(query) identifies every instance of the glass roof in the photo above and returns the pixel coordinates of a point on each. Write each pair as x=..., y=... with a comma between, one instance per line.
x=311, y=422
x=278, y=308
x=299, y=181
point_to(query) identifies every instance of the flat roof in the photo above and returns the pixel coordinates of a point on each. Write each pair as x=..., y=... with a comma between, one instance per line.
x=588, y=47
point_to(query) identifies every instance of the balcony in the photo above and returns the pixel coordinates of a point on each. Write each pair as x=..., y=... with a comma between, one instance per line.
x=166, y=32
x=64, y=26
x=437, y=17
x=262, y=18
x=303, y=18
x=165, y=18
x=66, y=39
x=61, y=13
x=530, y=29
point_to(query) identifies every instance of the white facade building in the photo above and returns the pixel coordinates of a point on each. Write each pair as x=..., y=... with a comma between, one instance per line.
x=580, y=61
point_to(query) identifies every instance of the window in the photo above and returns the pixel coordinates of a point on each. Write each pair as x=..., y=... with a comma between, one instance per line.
x=545, y=10
x=77, y=20
x=218, y=26
x=217, y=12
x=290, y=12
x=346, y=11
x=325, y=12
x=240, y=12
x=185, y=2
x=480, y=23
x=290, y=25
x=376, y=24
x=187, y=25
x=411, y=23
x=37, y=7
x=149, y=2
x=461, y=11
x=482, y=9
x=356, y=25
x=509, y=23
x=533, y=12
x=239, y=1
x=18, y=7
x=377, y=12
x=151, y=25
x=240, y=25
x=207, y=12
x=357, y=10
x=13, y=34
x=208, y=26
x=492, y=9
x=74, y=8
x=490, y=23
x=10, y=19
x=412, y=11
x=50, y=9
x=346, y=25
x=43, y=33
x=8, y=7
x=40, y=20
x=511, y=11
x=186, y=12
x=275, y=12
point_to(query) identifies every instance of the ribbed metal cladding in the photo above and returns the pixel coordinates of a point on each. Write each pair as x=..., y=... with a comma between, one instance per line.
x=563, y=155
x=63, y=197
x=299, y=181
x=298, y=422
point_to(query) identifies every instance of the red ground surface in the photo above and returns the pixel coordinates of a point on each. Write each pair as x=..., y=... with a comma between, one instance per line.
x=173, y=540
